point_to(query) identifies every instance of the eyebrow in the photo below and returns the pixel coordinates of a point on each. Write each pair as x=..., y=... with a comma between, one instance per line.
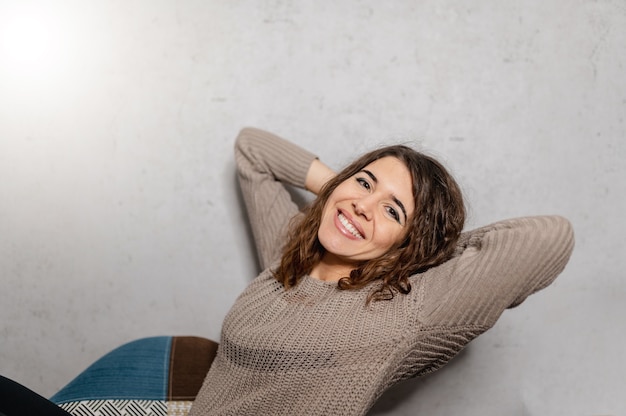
x=396, y=200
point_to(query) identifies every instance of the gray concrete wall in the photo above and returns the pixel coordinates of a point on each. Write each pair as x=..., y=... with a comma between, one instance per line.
x=119, y=211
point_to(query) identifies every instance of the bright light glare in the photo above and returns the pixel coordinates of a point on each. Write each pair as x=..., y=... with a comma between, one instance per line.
x=33, y=45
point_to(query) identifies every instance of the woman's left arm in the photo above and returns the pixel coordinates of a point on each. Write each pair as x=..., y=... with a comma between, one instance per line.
x=498, y=266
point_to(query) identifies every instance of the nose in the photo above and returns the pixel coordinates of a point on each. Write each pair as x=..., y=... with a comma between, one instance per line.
x=363, y=207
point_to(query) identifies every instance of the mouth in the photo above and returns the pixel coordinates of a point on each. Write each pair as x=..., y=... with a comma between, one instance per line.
x=349, y=226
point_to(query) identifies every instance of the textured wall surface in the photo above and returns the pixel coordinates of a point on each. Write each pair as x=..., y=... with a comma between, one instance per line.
x=120, y=216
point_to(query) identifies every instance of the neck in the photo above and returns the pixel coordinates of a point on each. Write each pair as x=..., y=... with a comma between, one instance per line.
x=331, y=269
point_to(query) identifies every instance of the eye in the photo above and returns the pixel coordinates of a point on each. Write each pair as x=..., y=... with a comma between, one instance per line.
x=364, y=183
x=393, y=213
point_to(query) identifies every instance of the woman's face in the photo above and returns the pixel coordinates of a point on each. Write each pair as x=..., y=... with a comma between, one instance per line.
x=367, y=213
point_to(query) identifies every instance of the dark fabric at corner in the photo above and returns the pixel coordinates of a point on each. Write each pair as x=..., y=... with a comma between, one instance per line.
x=17, y=400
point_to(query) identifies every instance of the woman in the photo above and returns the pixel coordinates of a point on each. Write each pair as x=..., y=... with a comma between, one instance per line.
x=374, y=283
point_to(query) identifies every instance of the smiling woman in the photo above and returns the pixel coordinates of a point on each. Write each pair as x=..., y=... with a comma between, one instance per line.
x=390, y=288
x=372, y=284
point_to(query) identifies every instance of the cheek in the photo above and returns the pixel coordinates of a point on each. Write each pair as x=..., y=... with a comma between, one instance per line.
x=391, y=235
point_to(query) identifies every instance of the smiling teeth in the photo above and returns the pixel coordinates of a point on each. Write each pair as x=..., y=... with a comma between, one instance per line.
x=349, y=226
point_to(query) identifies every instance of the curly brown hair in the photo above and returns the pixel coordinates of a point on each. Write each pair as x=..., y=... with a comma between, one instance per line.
x=430, y=240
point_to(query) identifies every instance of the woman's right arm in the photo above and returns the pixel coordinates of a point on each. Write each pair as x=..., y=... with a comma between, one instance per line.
x=265, y=162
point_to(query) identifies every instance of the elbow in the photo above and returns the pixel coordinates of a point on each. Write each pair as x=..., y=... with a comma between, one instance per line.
x=556, y=244
x=551, y=254
x=245, y=136
x=248, y=139
x=564, y=235
x=554, y=252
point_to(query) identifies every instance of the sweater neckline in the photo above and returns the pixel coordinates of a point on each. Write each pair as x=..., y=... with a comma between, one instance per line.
x=318, y=282
x=313, y=286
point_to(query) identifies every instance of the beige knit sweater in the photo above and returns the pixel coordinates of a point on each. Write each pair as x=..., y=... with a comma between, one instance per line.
x=318, y=350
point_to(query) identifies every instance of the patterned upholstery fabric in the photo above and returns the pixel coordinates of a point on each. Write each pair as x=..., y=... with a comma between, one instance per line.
x=158, y=376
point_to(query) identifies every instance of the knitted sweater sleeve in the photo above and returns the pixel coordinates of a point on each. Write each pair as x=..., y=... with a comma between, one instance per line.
x=265, y=163
x=498, y=266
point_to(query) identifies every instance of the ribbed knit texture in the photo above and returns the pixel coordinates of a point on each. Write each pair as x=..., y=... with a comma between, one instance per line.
x=318, y=350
